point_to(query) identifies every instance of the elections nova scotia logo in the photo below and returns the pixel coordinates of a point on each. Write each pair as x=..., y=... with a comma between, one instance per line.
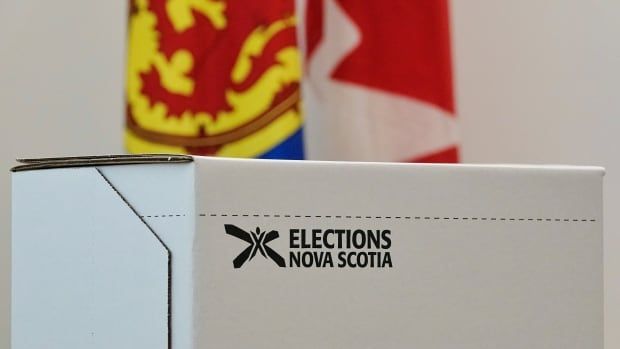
x=317, y=248
x=257, y=241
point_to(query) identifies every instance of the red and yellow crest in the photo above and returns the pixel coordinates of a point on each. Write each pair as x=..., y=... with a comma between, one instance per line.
x=212, y=77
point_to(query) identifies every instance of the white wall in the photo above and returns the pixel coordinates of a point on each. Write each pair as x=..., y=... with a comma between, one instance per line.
x=536, y=82
x=61, y=74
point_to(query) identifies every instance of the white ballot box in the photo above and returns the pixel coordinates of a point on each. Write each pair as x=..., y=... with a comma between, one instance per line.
x=178, y=252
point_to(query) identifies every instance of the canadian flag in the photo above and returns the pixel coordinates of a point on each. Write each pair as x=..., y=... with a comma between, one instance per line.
x=378, y=83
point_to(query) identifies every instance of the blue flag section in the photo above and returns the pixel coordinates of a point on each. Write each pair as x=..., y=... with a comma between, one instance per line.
x=291, y=149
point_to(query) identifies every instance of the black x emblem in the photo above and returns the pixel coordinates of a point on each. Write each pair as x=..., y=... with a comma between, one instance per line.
x=258, y=241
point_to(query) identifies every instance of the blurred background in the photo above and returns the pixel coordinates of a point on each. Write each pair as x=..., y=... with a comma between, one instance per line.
x=534, y=82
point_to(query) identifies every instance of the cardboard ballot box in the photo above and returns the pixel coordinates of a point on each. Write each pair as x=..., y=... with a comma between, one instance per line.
x=194, y=252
